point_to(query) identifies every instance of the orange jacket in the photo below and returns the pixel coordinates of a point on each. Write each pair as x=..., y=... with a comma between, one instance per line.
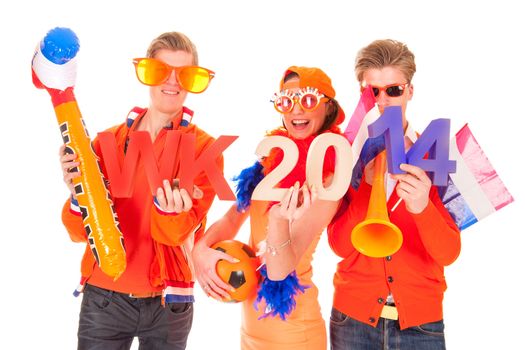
x=414, y=274
x=158, y=244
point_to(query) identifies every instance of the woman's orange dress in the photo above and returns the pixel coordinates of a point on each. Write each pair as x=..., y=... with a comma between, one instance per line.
x=304, y=328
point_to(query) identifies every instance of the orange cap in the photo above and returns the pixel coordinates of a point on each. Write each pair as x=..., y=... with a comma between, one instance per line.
x=316, y=78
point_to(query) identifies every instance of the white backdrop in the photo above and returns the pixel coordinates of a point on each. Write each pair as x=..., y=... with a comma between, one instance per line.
x=470, y=69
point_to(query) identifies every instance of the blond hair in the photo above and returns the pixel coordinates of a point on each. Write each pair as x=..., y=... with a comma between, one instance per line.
x=383, y=53
x=173, y=41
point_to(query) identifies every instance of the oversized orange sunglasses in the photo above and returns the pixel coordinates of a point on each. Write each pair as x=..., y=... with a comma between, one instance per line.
x=152, y=72
x=392, y=90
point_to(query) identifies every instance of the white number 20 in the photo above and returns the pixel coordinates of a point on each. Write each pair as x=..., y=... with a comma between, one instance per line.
x=266, y=190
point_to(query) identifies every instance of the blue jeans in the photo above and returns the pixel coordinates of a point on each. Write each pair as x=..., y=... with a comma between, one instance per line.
x=349, y=334
x=110, y=320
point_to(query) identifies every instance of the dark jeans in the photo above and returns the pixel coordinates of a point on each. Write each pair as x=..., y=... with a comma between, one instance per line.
x=110, y=320
x=349, y=334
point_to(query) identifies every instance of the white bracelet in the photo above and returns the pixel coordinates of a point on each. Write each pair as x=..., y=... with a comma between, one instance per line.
x=275, y=250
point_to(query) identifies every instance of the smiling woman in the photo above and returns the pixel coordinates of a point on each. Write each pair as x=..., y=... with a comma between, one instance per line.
x=288, y=314
x=303, y=118
x=305, y=110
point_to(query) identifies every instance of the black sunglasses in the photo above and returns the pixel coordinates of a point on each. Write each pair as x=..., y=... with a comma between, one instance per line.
x=392, y=90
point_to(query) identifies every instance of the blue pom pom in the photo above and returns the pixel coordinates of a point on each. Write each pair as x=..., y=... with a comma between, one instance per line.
x=279, y=296
x=60, y=45
x=247, y=180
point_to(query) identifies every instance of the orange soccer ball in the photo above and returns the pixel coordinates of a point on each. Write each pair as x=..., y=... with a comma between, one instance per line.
x=243, y=275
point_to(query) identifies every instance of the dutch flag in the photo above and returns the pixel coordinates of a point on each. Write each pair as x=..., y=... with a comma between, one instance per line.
x=364, y=148
x=475, y=190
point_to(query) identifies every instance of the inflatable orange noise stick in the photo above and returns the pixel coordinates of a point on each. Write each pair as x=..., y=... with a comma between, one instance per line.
x=54, y=69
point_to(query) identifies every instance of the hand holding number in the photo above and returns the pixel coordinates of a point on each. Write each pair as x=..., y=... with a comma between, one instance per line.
x=171, y=198
x=295, y=203
x=413, y=188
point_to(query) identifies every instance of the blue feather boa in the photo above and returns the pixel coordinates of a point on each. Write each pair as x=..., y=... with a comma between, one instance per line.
x=247, y=180
x=279, y=296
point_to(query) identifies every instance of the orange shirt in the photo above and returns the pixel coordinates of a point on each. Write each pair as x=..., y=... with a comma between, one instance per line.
x=157, y=244
x=414, y=274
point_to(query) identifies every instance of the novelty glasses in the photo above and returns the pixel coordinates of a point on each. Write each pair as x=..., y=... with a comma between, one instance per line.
x=152, y=72
x=308, y=98
x=392, y=90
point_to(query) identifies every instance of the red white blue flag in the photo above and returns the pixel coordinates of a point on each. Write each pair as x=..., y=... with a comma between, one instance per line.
x=475, y=189
x=364, y=148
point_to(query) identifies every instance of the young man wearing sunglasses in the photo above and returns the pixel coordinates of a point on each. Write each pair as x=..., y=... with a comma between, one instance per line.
x=152, y=299
x=396, y=301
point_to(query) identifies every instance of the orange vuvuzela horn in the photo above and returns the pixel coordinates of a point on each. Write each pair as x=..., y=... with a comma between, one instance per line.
x=376, y=236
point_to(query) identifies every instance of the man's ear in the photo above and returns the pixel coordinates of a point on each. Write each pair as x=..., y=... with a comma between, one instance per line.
x=410, y=91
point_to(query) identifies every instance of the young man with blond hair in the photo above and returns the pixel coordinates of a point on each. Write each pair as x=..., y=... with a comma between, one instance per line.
x=153, y=298
x=393, y=302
